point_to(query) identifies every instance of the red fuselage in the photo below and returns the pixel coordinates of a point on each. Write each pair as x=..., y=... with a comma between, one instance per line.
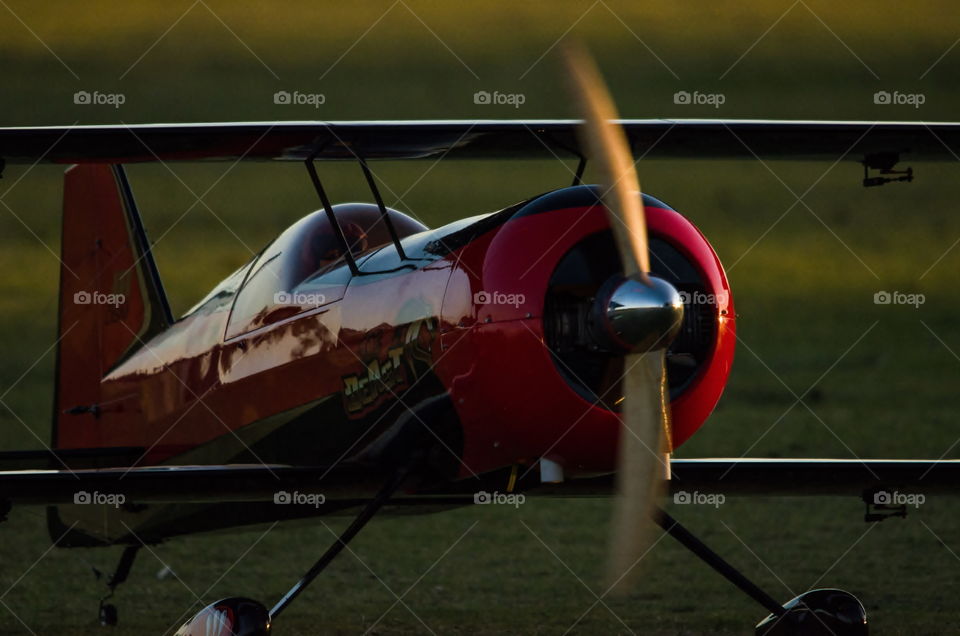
x=468, y=319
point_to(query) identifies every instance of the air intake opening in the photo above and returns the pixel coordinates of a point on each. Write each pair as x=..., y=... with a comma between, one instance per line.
x=588, y=368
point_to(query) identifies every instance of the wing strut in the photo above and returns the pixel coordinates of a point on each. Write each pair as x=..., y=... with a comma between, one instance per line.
x=383, y=209
x=337, y=230
x=335, y=223
x=581, y=166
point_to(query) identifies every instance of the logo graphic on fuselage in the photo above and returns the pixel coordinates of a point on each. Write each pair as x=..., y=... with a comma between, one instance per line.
x=389, y=370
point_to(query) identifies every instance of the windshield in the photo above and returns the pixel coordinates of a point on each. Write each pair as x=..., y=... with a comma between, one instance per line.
x=309, y=250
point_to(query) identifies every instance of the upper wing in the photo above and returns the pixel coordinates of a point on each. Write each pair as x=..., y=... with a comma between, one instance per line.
x=881, y=142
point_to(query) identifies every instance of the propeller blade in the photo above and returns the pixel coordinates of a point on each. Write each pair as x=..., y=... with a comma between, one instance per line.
x=609, y=149
x=644, y=440
x=640, y=465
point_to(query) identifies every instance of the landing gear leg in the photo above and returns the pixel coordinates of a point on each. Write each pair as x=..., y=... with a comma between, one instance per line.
x=355, y=526
x=825, y=611
x=237, y=615
x=108, y=612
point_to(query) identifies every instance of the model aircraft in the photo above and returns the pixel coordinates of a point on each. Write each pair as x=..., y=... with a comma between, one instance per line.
x=363, y=363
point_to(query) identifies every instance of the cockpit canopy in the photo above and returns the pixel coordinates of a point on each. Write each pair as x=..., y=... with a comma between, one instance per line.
x=305, y=266
x=310, y=245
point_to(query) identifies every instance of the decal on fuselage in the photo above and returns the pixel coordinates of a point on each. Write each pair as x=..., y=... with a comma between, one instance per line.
x=390, y=367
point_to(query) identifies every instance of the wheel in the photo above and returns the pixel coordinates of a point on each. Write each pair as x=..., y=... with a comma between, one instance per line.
x=108, y=615
x=816, y=613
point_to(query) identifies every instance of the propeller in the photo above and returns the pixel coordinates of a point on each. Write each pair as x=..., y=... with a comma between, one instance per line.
x=639, y=314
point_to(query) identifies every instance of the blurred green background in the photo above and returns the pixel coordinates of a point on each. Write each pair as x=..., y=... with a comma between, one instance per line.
x=877, y=380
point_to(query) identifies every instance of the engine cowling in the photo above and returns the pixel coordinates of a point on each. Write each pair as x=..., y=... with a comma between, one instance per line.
x=526, y=375
x=699, y=358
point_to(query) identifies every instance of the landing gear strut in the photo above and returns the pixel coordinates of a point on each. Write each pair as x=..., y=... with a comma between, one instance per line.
x=247, y=617
x=108, y=612
x=355, y=526
x=813, y=613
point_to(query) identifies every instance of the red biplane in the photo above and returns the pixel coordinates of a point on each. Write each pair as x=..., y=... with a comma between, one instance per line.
x=362, y=361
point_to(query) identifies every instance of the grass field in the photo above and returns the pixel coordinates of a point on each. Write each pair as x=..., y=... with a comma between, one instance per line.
x=879, y=380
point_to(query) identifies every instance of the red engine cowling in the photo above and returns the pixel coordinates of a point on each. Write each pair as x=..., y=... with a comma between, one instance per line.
x=516, y=309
